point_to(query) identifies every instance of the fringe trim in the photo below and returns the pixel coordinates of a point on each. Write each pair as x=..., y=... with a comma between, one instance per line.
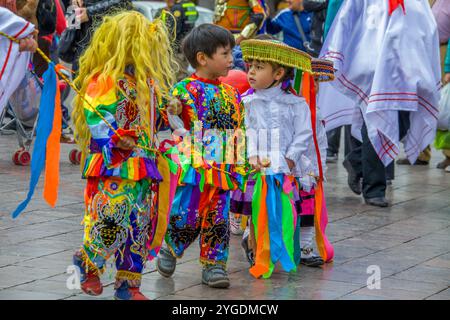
x=207, y=263
x=277, y=52
x=90, y=266
x=173, y=252
x=128, y=275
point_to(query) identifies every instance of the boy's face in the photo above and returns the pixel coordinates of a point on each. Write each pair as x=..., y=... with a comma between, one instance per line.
x=296, y=5
x=219, y=63
x=261, y=75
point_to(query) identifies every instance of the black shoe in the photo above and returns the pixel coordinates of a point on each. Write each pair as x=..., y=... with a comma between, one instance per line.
x=248, y=252
x=417, y=163
x=443, y=164
x=353, y=180
x=421, y=163
x=378, y=202
x=403, y=161
x=312, y=262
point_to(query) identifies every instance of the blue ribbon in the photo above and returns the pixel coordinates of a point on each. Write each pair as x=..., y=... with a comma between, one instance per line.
x=43, y=129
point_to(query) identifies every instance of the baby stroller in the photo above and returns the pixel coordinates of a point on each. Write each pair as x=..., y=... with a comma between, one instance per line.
x=21, y=114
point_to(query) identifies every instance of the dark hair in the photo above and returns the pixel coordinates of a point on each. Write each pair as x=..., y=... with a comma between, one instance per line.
x=206, y=38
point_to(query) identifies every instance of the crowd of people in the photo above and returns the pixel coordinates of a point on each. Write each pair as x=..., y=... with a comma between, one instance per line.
x=249, y=99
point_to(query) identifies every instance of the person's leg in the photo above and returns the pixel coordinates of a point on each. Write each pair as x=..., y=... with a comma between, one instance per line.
x=182, y=230
x=131, y=257
x=334, y=138
x=214, y=237
x=350, y=142
x=307, y=256
x=390, y=173
x=106, y=225
x=353, y=164
x=374, y=173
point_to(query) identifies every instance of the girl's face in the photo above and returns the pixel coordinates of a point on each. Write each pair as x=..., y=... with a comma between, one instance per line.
x=261, y=75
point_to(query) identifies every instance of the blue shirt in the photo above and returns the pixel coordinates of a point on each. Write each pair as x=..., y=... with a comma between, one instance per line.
x=284, y=22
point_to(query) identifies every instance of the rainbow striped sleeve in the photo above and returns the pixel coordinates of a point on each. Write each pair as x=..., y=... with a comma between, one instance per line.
x=103, y=136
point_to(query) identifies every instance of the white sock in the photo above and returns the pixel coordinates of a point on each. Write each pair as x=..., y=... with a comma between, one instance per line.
x=306, y=240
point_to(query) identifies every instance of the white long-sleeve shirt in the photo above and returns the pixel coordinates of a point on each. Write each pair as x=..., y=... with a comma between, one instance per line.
x=278, y=126
x=13, y=64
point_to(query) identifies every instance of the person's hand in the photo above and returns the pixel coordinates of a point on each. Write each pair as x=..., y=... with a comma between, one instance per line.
x=28, y=44
x=254, y=162
x=82, y=15
x=174, y=107
x=447, y=78
x=126, y=143
x=290, y=163
x=239, y=40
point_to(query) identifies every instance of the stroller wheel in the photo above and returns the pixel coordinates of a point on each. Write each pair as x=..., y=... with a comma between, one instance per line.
x=22, y=157
x=75, y=156
x=15, y=157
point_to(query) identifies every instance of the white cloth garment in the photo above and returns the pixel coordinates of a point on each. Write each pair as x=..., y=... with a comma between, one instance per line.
x=278, y=125
x=384, y=64
x=13, y=64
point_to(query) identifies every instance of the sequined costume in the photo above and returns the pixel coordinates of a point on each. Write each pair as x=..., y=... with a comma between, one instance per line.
x=120, y=217
x=202, y=201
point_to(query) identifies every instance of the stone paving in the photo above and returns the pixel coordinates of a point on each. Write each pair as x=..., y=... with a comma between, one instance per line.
x=409, y=241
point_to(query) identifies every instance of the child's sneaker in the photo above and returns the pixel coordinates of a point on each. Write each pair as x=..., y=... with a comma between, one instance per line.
x=90, y=281
x=124, y=292
x=166, y=263
x=309, y=259
x=215, y=277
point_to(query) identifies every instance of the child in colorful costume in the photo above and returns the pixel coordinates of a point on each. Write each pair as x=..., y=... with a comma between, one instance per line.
x=279, y=131
x=242, y=17
x=312, y=172
x=123, y=73
x=201, y=205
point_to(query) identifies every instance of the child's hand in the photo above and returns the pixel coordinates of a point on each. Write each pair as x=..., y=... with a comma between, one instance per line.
x=254, y=162
x=27, y=44
x=174, y=107
x=290, y=163
x=126, y=143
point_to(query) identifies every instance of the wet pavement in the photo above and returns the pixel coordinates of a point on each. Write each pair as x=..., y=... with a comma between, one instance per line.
x=409, y=242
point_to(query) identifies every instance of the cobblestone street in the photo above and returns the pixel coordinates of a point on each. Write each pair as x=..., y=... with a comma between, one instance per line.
x=409, y=241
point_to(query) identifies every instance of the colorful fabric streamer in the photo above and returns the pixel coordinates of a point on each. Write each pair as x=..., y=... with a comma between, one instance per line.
x=325, y=248
x=273, y=216
x=170, y=173
x=45, y=128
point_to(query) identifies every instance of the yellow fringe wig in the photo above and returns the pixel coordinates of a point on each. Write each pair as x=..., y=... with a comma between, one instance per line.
x=121, y=40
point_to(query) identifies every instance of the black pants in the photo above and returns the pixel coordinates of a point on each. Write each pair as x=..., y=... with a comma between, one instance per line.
x=334, y=139
x=368, y=166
